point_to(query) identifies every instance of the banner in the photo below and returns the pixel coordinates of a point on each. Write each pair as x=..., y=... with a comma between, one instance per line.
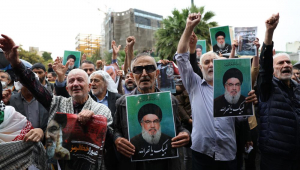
x=67, y=139
x=151, y=126
x=166, y=80
x=221, y=39
x=246, y=37
x=75, y=55
x=232, y=83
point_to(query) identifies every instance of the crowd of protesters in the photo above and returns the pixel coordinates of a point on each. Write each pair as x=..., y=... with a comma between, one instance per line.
x=31, y=96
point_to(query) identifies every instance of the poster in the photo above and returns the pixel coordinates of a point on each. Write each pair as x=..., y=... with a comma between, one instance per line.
x=151, y=126
x=67, y=139
x=200, y=49
x=245, y=37
x=232, y=83
x=166, y=80
x=75, y=55
x=221, y=39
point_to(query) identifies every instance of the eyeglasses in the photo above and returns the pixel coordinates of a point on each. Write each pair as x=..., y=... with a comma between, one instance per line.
x=156, y=121
x=231, y=85
x=140, y=69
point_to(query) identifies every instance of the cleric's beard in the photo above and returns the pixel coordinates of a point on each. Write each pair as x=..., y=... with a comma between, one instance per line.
x=70, y=66
x=151, y=139
x=51, y=150
x=4, y=84
x=221, y=45
x=232, y=99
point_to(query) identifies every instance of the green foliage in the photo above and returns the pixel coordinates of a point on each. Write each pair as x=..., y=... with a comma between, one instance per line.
x=168, y=36
x=47, y=56
x=95, y=56
x=31, y=57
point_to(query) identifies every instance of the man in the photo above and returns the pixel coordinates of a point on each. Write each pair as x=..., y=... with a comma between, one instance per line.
x=232, y=103
x=71, y=59
x=51, y=77
x=296, y=74
x=221, y=47
x=5, y=79
x=279, y=107
x=144, y=72
x=215, y=147
x=198, y=52
x=111, y=71
x=129, y=84
x=88, y=67
x=77, y=86
x=40, y=70
x=149, y=117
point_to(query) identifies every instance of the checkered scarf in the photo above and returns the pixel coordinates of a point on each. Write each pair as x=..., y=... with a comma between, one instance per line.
x=2, y=108
x=21, y=155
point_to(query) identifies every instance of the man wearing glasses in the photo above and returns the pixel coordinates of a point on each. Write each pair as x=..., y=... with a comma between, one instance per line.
x=144, y=72
x=232, y=103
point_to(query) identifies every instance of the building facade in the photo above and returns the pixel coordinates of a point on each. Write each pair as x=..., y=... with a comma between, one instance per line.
x=133, y=22
x=88, y=43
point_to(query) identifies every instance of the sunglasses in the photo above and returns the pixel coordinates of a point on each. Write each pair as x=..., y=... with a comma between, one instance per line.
x=140, y=69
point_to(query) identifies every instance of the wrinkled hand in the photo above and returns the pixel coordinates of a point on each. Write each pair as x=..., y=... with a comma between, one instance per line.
x=272, y=22
x=10, y=50
x=120, y=73
x=61, y=153
x=59, y=68
x=251, y=97
x=220, y=54
x=115, y=48
x=84, y=116
x=164, y=61
x=193, y=19
x=99, y=64
x=256, y=43
x=130, y=41
x=193, y=43
x=6, y=94
x=34, y=135
x=180, y=140
x=124, y=147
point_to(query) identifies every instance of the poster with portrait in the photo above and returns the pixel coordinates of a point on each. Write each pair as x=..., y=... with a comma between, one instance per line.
x=166, y=77
x=200, y=48
x=74, y=56
x=221, y=40
x=151, y=126
x=67, y=139
x=245, y=37
x=232, y=83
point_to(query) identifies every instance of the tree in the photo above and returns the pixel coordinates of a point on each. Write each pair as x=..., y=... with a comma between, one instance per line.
x=31, y=57
x=47, y=56
x=168, y=36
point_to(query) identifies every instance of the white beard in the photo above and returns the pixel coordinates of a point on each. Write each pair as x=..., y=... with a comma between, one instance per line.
x=51, y=150
x=221, y=45
x=151, y=139
x=232, y=99
x=4, y=84
x=70, y=66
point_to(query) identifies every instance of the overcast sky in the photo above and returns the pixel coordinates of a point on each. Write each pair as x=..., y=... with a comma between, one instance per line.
x=52, y=25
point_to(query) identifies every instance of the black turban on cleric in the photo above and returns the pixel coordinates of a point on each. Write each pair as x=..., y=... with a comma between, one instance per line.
x=149, y=108
x=71, y=56
x=232, y=73
x=219, y=33
x=199, y=46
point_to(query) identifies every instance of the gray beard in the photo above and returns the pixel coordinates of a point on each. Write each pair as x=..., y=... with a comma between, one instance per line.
x=232, y=99
x=51, y=150
x=4, y=85
x=70, y=66
x=221, y=45
x=151, y=139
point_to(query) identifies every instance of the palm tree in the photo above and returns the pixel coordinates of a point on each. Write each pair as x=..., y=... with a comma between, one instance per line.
x=168, y=36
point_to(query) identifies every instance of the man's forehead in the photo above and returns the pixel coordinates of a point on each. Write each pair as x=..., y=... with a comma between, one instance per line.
x=144, y=60
x=76, y=75
x=37, y=69
x=87, y=65
x=209, y=57
x=281, y=58
x=96, y=76
x=150, y=116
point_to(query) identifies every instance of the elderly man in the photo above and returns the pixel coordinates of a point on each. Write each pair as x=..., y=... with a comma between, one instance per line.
x=214, y=147
x=221, y=47
x=232, y=103
x=77, y=85
x=88, y=67
x=279, y=105
x=149, y=117
x=5, y=79
x=144, y=72
x=40, y=70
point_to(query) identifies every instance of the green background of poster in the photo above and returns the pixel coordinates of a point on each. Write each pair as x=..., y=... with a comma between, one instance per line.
x=222, y=65
x=134, y=103
x=203, y=44
x=213, y=32
x=77, y=54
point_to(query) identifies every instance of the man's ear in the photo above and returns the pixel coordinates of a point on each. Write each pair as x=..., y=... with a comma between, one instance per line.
x=90, y=86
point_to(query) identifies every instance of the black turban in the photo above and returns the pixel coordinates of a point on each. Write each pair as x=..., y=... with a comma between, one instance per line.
x=149, y=109
x=219, y=33
x=232, y=73
x=199, y=46
x=61, y=119
x=71, y=56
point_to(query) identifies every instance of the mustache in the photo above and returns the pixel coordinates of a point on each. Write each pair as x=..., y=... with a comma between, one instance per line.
x=145, y=78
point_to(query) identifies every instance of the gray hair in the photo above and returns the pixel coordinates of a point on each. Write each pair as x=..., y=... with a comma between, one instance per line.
x=111, y=85
x=281, y=54
x=207, y=54
x=140, y=56
x=76, y=71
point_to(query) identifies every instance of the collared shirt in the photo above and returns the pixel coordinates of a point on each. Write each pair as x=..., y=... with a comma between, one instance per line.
x=32, y=111
x=211, y=136
x=104, y=100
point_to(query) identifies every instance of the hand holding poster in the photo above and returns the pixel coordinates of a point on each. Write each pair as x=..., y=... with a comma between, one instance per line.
x=67, y=139
x=74, y=57
x=232, y=83
x=246, y=37
x=151, y=126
